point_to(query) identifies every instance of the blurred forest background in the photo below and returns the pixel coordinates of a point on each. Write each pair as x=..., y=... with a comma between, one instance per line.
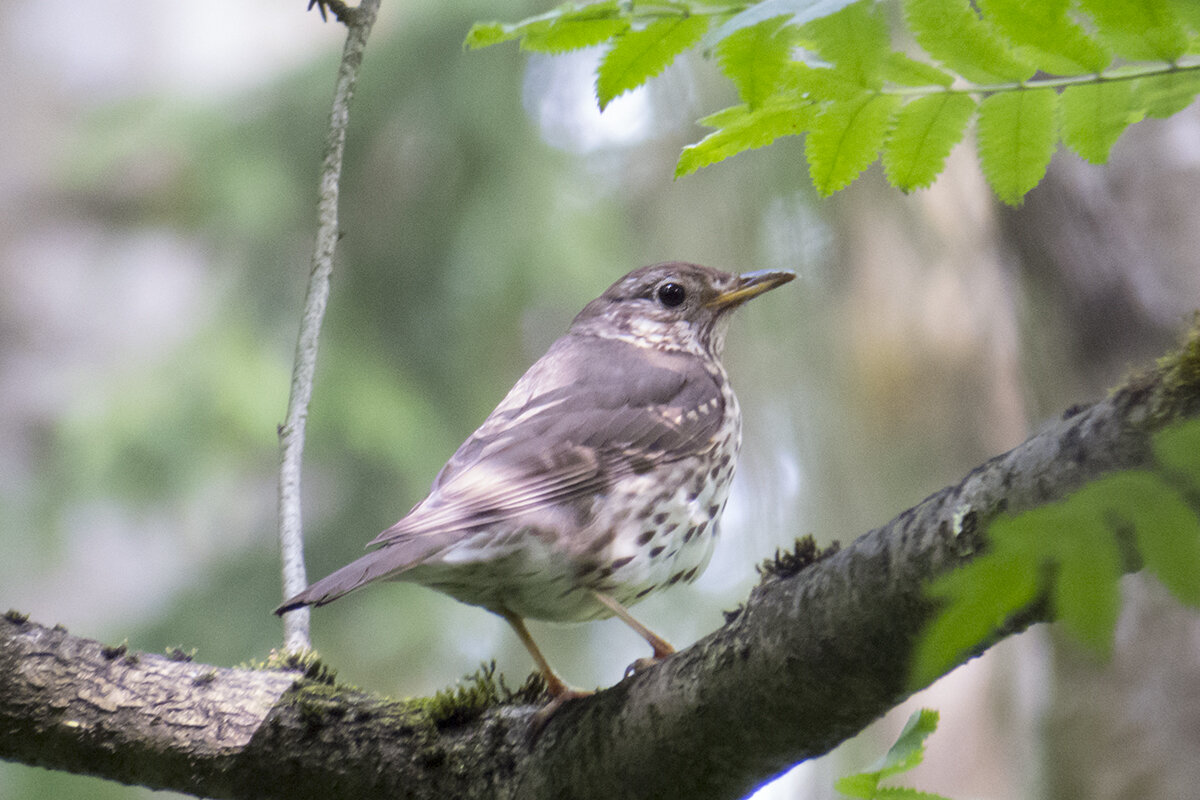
x=157, y=188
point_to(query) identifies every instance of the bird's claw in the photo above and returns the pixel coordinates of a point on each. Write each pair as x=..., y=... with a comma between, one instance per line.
x=539, y=720
x=641, y=664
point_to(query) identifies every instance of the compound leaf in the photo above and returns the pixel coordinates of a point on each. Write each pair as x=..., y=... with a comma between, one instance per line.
x=639, y=55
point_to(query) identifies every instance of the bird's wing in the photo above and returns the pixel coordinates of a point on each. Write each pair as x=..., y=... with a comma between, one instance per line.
x=588, y=412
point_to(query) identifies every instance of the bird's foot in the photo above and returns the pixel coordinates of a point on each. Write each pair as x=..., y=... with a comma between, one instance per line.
x=556, y=702
x=643, y=664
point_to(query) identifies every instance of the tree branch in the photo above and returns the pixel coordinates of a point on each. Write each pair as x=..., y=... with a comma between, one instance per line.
x=811, y=659
x=359, y=22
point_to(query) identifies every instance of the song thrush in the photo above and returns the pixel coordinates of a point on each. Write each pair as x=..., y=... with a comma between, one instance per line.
x=598, y=479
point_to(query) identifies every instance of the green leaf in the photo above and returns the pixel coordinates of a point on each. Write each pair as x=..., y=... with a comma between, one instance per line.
x=980, y=597
x=846, y=137
x=862, y=785
x=1177, y=448
x=951, y=32
x=925, y=132
x=755, y=58
x=1056, y=42
x=905, y=793
x=1086, y=597
x=741, y=129
x=1077, y=542
x=486, y=34
x=1166, y=94
x=900, y=69
x=855, y=41
x=909, y=748
x=1188, y=12
x=797, y=11
x=568, y=27
x=1094, y=115
x=1139, y=30
x=818, y=83
x=1016, y=140
x=907, y=752
x=640, y=55
x=586, y=27
x=1165, y=527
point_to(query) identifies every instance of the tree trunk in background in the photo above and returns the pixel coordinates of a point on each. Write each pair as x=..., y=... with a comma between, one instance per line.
x=1108, y=256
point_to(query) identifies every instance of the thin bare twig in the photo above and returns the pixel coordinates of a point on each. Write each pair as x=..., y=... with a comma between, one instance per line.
x=291, y=433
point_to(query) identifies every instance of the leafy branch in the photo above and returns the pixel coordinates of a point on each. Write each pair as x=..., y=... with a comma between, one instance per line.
x=1074, y=552
x=863, y=81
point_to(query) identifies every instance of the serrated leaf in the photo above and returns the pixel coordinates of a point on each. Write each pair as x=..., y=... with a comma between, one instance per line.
x=861, y=785
x=951, y=32
x=855, y=41
x=486, y=34
x=925, y=132
x=905, y=793
x=1058, y=43
x=1166, y=94
x=818, y=83
x=1078, y=538
x=640, y=55
x=907, y=752
x=741, y=129
x=846, y=137
x=587, y=26
x=568, y=15
x=909, y=748
x=900, y=69
x=797, y=11
x=1141, y=30
x=1165, y=527
x=1016, y=140
x=980, y=597
x=1094, y=115
x=755, y=58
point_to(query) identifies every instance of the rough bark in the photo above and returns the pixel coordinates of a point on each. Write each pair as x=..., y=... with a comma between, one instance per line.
x=811, y=659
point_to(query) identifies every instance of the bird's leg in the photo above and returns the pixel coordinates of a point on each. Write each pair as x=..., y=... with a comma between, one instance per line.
x=559, y=691
x=662, y=648
x=554, y=684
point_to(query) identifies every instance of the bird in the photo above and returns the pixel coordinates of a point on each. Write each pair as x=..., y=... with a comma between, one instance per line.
x=598, y=479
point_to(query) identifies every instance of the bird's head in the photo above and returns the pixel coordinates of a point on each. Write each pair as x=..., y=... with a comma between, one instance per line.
x=674, y=306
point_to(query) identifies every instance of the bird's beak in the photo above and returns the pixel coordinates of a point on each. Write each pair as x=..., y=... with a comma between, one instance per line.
x=750, y=284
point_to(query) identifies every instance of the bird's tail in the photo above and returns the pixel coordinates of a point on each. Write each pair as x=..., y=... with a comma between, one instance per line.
x=386, y=562
x=354, y=575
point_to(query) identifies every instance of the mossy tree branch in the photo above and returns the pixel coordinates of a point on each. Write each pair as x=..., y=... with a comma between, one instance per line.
x=811, y=659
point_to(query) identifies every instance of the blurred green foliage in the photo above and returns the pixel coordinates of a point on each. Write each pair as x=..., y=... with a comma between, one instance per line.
x=1072, y=552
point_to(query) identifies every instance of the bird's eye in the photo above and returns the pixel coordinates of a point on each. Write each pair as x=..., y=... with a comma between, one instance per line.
x=671, y=294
